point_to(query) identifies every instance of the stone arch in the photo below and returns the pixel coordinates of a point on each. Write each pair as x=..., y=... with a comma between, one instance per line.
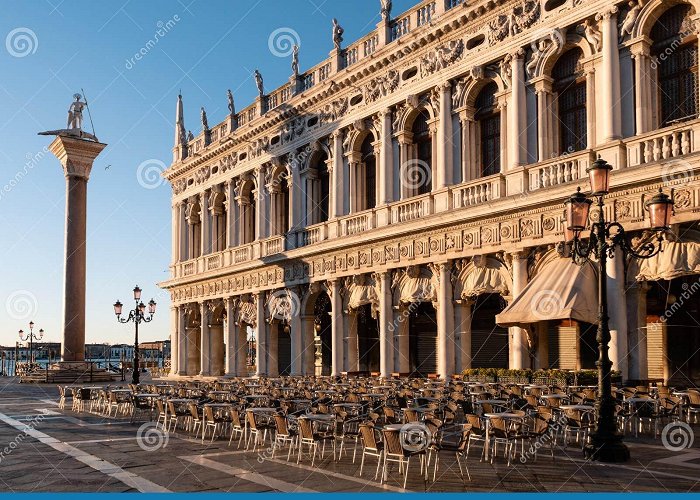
x=475, y=86
x=550, y=58
x=651, y=12
x=357, y=134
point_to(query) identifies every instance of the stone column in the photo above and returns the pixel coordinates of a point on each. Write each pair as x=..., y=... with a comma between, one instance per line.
x=445, y=323
x=517, y=135
x=204, y=216
x=184, y=232
x=338, y=186
x=260, y=212
x=261, y=336
x=230, y=207
x=611, y=120
x=502, y=106
x=352, y=349
x=205, y=344
x=543, y=91
x=617, y=310
x=297, y=342
x=231, y=340
x=337, y=328
x=404, y=144
x=182, y=341
x=516, y=335
x=76, y=157
x=469, y=146
x=386, y=317
x=386, y=160
x=590, y=108
x=463, y=358
x=308, y=348
x=174, y=339
x=444, y=137
x=175, y=224
x=643, y=98
x=353, y=191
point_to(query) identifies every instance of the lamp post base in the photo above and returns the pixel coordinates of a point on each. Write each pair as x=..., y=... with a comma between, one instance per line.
x=609, y=449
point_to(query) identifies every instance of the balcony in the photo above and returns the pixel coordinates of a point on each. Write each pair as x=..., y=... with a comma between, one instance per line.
x=664, y=144
x=560, y=170
x=412, y=209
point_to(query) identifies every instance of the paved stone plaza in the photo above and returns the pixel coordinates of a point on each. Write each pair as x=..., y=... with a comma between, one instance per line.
x=66, y=451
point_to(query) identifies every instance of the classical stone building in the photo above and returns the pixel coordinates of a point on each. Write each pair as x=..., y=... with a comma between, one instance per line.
x=376, y=212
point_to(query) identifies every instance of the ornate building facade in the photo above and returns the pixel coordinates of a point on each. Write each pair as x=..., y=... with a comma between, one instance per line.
x=377, y=212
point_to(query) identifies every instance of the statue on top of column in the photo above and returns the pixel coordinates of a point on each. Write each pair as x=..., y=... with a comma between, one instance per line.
x=205, y=122
x=385, y=9
x=337, y=34
x=295, y=60
x=74, y=126
x=259, y=83
x=231, y=106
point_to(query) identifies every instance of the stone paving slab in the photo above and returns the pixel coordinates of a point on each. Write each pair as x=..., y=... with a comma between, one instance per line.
x=84, y=452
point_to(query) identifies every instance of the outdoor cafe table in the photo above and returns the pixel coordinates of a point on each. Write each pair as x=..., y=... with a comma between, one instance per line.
x=320, y=418
x=578, y=407
x=488, y=417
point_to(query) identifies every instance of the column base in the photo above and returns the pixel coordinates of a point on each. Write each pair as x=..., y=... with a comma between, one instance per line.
x=609, y=449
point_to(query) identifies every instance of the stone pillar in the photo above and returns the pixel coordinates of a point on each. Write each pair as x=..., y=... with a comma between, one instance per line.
x=445, y=323
x=611, y=120
x=230, y=207
x=204, y=216
x=183, y=346
x=260, y=212
x=261, y=336
x=76, y=157
x=205, y=344
x=590, y=108
x=338, y=188
x=175, y=224
x=386, y=160
x=353, y=190
x=617, y=310
x=183, y=233
x=231, y=340
x=463, y=359
x=516, y=335
x=517, y=126
x=502, y=106
x=308, y=348
x=444, y=137
x=643, y=98
x=297, y=343
x=337, y=328
x=352, y=348
x=543, y=91
x=386, y=333
x=174, y=339
x=469, y=147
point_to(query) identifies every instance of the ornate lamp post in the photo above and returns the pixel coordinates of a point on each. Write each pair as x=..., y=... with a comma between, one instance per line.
x=137, y=315
x=31, y=336
x=606, y=443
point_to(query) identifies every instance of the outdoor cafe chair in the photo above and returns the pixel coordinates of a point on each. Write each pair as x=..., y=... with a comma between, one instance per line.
x=195, y=418
x=396, y=453
x=310, y=438
x=455, y=441
x=508, y=432
x=283, y=435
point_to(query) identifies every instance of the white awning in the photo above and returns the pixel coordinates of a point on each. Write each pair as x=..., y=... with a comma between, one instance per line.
x=484, y=280
x=676, y=259
x=361, y=295
x=561, y=290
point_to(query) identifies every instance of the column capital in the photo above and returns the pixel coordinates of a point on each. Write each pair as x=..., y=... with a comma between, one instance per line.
x=607, y=13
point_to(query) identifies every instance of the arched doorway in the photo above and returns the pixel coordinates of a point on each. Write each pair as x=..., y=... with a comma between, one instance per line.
x=422, y=339
x=489, y=341
x=322, y=334
x=367, y=339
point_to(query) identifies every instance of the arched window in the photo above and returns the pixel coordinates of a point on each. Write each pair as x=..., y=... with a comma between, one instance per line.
x=489, y=128
x=369, y=177
x=570, y=88
x=675, y=53
x=423, y=152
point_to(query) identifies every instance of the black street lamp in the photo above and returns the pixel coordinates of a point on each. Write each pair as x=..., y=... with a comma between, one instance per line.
x=31, y=336
x=606, y=442
x=137, y=315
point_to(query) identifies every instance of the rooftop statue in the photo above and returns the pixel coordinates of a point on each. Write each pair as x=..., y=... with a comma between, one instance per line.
x=337, y=34
x=74, y=127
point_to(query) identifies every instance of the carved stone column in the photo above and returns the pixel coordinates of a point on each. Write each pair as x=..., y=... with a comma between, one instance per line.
x=502, y=106
x=205, y=344
x=517, y=125
x=404, y=139
x=469, y=145
x=386, y=317
x=337, y=208
x=612, y=118
x=590, y=108
x=176, y=232
x=230, y=207
x=174, y=339
x=260, y=203
x=182, y=345
x=386, y=160
x=445, y=322
x=644, y=95
x=617, y=309
x=230, y=334
x=336, y=328
x=444, y=138
x=516, y=335
x=205, y=218
x=545, y=121
x=354, y=191
x=261, y=335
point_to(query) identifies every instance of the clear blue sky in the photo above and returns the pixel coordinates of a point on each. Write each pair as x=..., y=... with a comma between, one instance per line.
x=52, y=49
